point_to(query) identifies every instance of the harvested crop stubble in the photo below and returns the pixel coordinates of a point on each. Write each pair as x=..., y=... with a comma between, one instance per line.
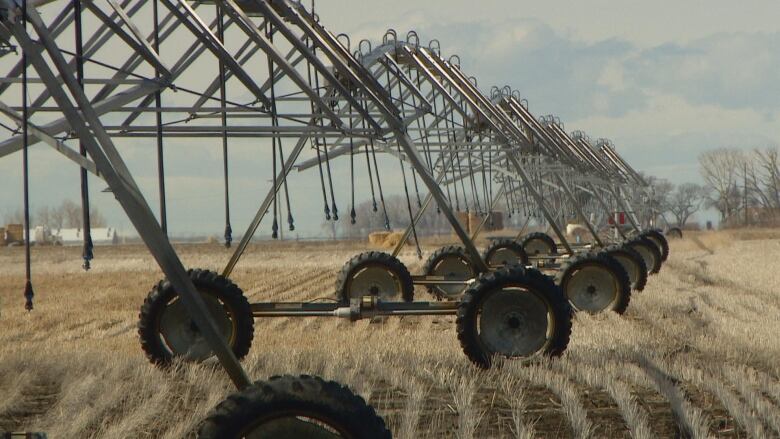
x=696, y=353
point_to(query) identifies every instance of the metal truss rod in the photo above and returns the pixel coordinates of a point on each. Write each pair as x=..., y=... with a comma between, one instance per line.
x=263, y=209
x=100, y=148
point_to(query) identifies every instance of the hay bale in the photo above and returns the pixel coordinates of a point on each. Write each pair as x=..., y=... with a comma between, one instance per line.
x=393, y=239
x=14, y=233
x=578, y=233
x=378, y=238
x=2, y=237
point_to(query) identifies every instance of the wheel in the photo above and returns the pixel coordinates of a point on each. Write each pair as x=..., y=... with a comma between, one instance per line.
x=167, y=331
x=539, y=244
x=293, y=407
x=505, y=252
x=452, y=263
x=632, y=262
x=674, y=232
x=649, y=252
x=515, y=312
x=658, y=239
x=595, y=282
x=375, y=274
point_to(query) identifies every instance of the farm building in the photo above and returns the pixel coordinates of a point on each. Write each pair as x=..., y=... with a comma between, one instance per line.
x=100, y=236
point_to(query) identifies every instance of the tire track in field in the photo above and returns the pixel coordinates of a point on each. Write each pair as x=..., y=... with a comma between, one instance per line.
x=700, y=276
x=682, y=328
x=33, y=401
x=73, y=331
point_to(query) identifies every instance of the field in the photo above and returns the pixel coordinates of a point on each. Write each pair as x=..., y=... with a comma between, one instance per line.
x=696, y=355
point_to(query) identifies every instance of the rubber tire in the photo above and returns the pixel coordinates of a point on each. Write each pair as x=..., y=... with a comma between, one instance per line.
x=469, y=307
x=629, y=252
x=651, y=247
x=601, y=258
x=674, y=232
x=282, y=394
x=506, y=243
x=657, y=238
x=163, y=293
x=544, y=237
x=374, y=258
x=439, y=254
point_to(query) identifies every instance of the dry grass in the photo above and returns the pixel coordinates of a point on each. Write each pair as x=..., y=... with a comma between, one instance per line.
x=695, y=355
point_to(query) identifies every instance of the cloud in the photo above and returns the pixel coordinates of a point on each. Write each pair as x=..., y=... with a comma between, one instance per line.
x=731, y=70
x=555, y=72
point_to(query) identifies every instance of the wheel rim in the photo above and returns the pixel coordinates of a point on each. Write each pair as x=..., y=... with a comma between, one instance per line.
x=515, y=322
x=537, y=246
x=630, y=266
x=452, y=267
x=183, y=338
x=374, y=280
x=293, y=426
x=647, y=256
x=592, y=288
x=504, y=256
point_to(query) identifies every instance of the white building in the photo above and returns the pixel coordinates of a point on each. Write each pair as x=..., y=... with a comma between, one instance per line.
x=100, y=236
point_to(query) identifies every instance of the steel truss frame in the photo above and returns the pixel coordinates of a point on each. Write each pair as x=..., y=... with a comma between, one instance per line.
x=400, y=98
x=89, y=115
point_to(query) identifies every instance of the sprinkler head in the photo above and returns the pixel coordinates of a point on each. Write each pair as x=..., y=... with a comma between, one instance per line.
x=28, y=296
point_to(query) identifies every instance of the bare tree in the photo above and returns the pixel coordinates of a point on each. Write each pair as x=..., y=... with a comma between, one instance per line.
x=686, y=200
x=57, y=217
x=761, y=187
x=658, y=197
x=66, y=215
x=96, y=218
x=71, y=213
x=15, y=217
x=367, y=220
x=721, y=170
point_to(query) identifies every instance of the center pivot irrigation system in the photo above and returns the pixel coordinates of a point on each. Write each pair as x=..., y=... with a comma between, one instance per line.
x=96, y=73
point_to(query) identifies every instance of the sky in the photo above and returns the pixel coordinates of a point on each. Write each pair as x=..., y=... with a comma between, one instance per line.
x=664, y=80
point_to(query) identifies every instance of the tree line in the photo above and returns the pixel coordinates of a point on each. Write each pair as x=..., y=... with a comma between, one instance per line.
x=67, y=215
x=743, y=186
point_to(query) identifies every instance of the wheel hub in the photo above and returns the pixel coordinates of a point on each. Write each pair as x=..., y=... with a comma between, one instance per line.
x=452, y=268
x=592, y=288
x=537, y=247
x=514, y=322
x=183, y=337
x=503, y=256
x=375, y=280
